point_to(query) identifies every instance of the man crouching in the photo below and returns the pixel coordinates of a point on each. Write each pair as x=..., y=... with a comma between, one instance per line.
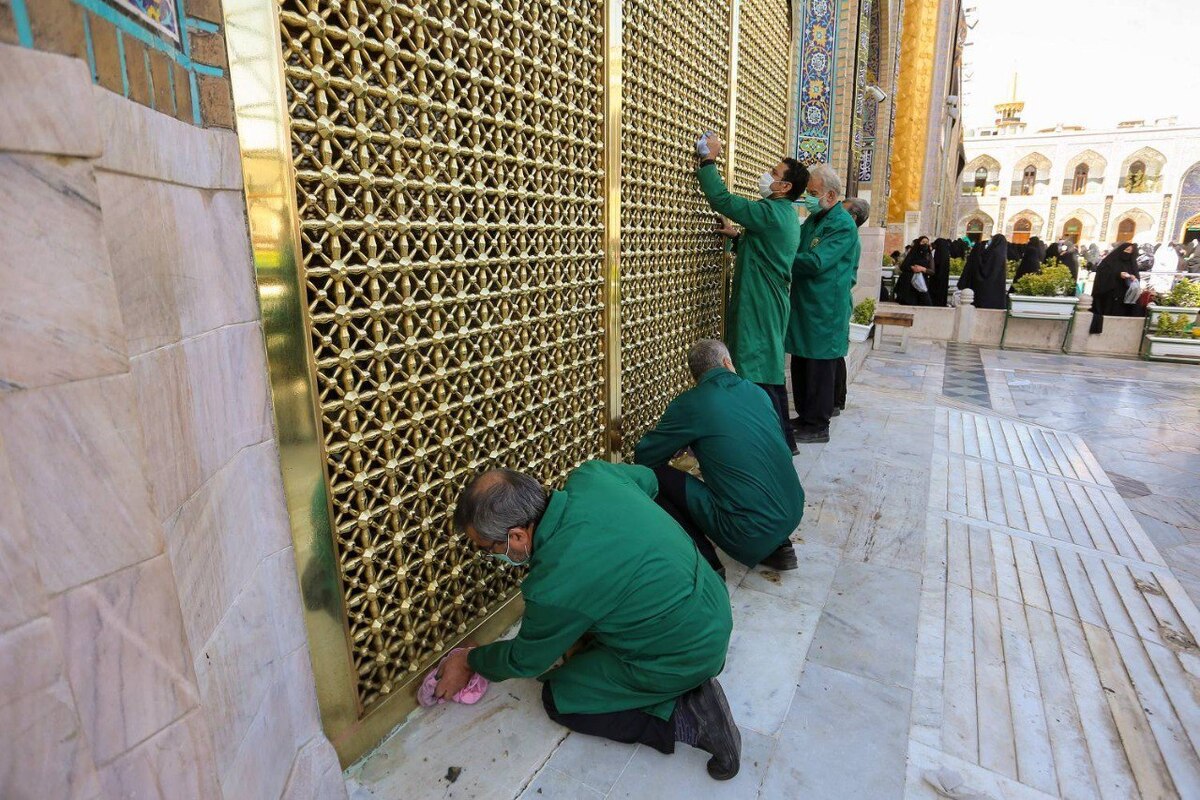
x=606, y=563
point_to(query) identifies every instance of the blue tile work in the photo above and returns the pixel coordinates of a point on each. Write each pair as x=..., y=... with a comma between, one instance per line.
x=860, y=77
x=814, y=111
x=165, y=35
x=1189, y=202
x=870, y=113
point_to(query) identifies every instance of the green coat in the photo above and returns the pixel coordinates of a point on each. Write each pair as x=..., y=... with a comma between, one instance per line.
x=758, y=307
x=607, y=561
x=824, y=269
x=750, y=500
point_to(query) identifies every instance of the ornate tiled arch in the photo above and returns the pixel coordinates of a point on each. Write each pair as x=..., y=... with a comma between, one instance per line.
x=815, y=73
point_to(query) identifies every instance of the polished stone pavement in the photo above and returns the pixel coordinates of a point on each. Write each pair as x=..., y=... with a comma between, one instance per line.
x=1000, y=592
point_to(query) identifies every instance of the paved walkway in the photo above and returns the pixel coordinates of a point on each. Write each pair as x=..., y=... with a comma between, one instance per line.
x=976, y=596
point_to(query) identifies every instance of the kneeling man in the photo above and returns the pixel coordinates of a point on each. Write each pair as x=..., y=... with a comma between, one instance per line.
x=750, y=500
x=607, y=564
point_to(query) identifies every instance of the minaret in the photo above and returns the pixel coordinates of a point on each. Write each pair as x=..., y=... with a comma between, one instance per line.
x=1008, y=115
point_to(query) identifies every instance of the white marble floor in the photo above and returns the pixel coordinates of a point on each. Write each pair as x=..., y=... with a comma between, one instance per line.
x=974, y=596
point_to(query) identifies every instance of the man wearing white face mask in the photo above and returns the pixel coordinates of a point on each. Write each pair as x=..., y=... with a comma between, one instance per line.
x=823, y=272
x=758, y=306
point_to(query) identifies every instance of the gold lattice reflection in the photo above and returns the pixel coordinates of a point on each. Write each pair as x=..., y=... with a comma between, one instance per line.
x=676, y=75
x=449, y=193
x=764, y=35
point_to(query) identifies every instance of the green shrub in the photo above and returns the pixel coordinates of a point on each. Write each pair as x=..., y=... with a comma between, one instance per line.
x=956, y=265
x=1174, y=326
x=1054, y=280
x=864, y=312
x=1011, y=270
x=1185, y=294
x=887, y=262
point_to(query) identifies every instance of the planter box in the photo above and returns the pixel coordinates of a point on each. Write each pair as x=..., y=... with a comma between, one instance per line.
x=1154, y=311
x=888, y=272
x=1169, y=349
x=1028, y=307
x=859, y=333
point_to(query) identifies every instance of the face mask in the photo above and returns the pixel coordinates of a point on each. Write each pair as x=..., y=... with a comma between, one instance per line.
x=764, y=184
x=504, y=557
x=813, y=204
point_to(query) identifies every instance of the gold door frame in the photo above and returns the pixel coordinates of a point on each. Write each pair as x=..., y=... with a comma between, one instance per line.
x=253, y=31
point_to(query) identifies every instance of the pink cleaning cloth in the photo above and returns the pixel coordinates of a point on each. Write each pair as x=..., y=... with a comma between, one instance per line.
x=470, y=694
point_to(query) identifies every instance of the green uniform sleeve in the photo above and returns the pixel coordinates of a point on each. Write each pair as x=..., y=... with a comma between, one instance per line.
x=829, y=252
x=641, y=477
x=750, y=215
x=672, y=433
x=546, y=633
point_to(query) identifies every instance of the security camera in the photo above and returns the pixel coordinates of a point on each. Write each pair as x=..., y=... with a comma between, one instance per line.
x=876, y=94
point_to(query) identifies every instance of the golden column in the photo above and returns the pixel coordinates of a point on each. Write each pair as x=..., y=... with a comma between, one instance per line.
x=914, y=92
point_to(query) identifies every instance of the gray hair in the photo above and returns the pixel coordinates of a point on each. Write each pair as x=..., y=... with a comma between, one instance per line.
x=859, y=209
x=706, y=354
x=498, y=500
x=830, y=182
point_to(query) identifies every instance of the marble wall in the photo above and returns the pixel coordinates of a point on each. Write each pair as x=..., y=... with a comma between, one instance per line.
x=151, y=635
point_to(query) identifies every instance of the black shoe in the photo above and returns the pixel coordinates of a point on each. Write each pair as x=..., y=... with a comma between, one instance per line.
x=819, y=436
x=836, y=412
x=795, y=450
x=718, y=734
x=782, y=560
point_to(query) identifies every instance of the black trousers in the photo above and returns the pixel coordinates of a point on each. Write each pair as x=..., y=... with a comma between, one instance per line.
x=839, y=384
x=630, y=727
x=778, y=394
x=672, y=498
x=812, y=391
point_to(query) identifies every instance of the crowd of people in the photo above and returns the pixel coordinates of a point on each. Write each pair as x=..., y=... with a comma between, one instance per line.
x=1121, y=279
x=627, y=618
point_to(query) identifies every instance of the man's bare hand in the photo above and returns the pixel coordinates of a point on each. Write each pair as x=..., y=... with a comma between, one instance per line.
x=727, y=230
x=714, y=146
x=454, y=675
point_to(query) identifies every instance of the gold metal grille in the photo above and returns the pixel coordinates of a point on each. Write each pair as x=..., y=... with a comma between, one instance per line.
x=675, y=85
x=449, y=190
x=764, y=42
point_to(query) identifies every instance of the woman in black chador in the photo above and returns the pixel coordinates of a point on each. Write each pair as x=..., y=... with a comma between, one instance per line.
x=1108, y=291
x=1068, y=256
x=989, y=278
x=919, y=261
x=970, y=273
x=939, y=279
x=1051, y=253
x=1031, y=261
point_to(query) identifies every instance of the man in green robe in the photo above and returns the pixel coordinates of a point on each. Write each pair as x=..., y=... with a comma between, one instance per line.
x=750, y=500
x=758, y=305
x=818, y=330
x=607, y=564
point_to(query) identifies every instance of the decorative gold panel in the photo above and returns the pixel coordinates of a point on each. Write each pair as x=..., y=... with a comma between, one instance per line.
x=479, y=239
x=449, y=194
x=763, y=75
x=675, y=73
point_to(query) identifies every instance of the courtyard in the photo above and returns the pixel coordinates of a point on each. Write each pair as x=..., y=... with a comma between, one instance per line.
x=1000, y=564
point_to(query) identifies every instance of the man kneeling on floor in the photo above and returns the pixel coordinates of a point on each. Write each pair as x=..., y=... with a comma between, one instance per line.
x=608, y=566
x=750, y=500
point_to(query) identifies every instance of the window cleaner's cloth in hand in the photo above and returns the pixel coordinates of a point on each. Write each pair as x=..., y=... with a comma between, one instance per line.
x=702, y=144
x=470, y=694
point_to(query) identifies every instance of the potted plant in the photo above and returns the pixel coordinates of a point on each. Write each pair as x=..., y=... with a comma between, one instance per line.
x=1044, y=295
x=862, y=320
x=956, y=266
x=1183, y=299
x=1177, y=339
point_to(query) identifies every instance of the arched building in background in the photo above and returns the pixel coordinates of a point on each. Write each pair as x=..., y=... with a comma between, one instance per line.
x=1137, y=182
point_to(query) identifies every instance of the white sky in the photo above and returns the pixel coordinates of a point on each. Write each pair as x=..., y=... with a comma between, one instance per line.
x=1087, y=62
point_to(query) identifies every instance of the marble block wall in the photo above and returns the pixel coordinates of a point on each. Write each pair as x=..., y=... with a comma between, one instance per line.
x=151, y=634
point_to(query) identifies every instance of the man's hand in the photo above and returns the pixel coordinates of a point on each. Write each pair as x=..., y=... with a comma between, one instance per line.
x=714, y=146
x=725, y=228
x=454, y=675
x=919, y=269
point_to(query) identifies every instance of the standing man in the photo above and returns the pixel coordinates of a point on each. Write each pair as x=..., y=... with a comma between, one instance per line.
x=758, y=307
x=750, y=500
x=818, y=332
x=607, y=564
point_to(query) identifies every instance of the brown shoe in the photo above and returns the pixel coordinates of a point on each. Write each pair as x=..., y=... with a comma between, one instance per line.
x=782, y=560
